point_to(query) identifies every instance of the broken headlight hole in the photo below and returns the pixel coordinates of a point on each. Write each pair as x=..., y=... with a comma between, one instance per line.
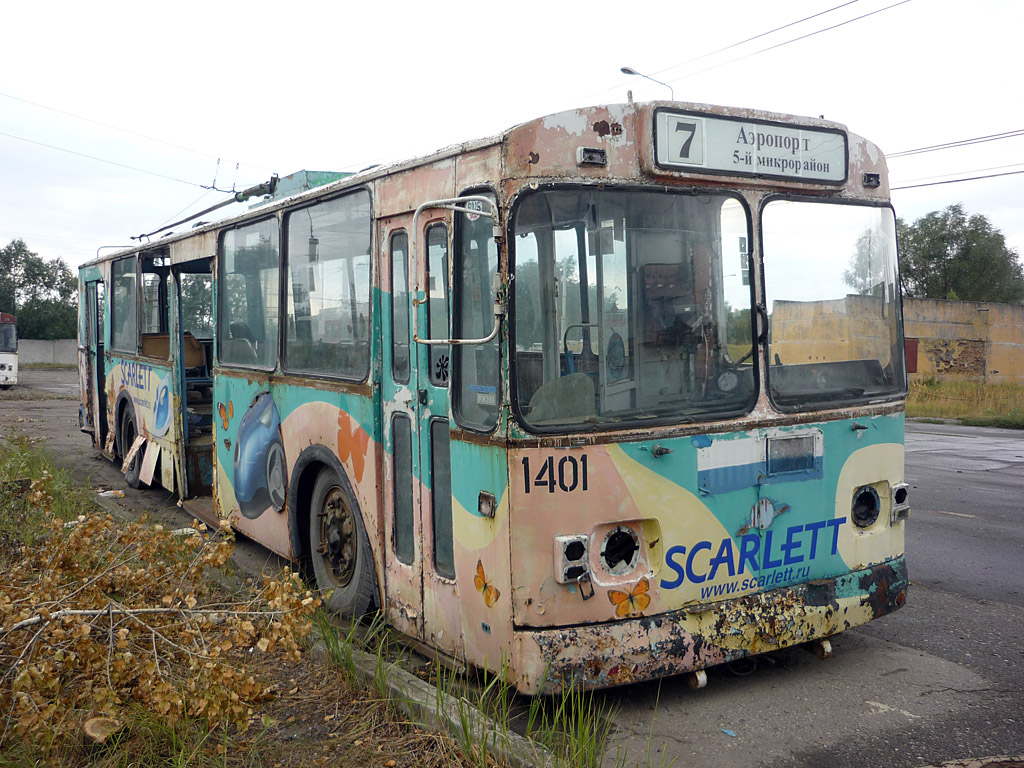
x=865, y=506
x=900, y=502
x=571, y=558
x=575, y=550
x=620, y=550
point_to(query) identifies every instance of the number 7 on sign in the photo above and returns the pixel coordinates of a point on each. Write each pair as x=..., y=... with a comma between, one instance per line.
x=687, y=140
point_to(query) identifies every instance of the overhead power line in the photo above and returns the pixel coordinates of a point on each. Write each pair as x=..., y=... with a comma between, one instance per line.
x=114, y=162
x=961, y=173
x=121, y=130
x=788, y=42
x=961, y=143
x=755, y=37
x=957, y=181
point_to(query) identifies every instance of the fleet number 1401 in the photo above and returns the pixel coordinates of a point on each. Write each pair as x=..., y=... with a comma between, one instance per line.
x=567, y=474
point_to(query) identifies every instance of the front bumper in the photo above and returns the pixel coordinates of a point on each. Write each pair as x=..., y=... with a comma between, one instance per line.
x=703, y=635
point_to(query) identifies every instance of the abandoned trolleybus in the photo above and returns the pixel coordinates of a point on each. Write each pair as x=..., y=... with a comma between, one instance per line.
x=613, y=395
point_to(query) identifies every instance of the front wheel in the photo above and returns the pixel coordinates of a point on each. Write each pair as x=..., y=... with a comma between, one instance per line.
x=340, y=550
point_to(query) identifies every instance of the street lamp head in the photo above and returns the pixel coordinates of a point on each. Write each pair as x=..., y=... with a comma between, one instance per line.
x=631, y=71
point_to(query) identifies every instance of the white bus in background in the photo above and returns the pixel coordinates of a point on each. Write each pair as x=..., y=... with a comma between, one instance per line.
x=8, y=350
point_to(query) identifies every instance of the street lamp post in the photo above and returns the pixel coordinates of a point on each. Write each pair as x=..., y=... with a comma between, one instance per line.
x=631, y=71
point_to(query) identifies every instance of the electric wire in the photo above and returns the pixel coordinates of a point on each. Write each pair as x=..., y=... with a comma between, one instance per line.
x=960, y=143
x=961, y=173
x=734, y=45
x=955, y=181
x=122, y=130
x=114, y=162
x=788, y=42
x=755, y=37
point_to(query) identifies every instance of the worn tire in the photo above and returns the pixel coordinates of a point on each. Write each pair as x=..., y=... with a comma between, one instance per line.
x=128, y=434
x=339, y=549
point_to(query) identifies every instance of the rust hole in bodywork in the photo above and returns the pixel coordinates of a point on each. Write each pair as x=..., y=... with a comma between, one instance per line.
x=532, y=158
x=603, y=128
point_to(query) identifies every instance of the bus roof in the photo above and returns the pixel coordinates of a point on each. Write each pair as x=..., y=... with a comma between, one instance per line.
x=572, y=122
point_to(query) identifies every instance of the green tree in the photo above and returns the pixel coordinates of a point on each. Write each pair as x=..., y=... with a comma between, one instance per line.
x=950, y=255
x=42, y=294
x=866, y=272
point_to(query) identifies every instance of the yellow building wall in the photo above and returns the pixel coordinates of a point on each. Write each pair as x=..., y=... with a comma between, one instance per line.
x=967, y=339
x=955, y=339
x=851, y=328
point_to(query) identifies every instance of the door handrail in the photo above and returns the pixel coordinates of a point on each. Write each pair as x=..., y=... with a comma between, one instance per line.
x=452, y=204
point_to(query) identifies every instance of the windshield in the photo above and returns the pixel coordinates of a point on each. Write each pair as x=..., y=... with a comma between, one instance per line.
x=630, y=305
x=831, y=289
x=8, y=337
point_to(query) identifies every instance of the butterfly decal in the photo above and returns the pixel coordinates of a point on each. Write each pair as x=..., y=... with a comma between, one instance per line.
x=484, y=587
x=225, y=413
x=634, y=601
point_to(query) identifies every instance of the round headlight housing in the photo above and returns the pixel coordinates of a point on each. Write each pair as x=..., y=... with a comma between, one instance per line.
x=865, y=506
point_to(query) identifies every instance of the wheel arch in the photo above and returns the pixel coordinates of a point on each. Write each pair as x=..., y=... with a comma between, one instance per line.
x=307, y=467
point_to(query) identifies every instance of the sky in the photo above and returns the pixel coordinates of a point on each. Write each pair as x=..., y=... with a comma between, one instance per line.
x=115, y=116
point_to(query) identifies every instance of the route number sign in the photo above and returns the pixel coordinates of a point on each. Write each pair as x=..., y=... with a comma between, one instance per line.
x=707, y=143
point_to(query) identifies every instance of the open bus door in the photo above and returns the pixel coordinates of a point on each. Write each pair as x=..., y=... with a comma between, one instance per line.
x=193, y=378
x=93, y=418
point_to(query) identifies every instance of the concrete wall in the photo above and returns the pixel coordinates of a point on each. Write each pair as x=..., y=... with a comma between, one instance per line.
x=946, y=339
x=966, y=339
x=64, y=351
x=851, y=328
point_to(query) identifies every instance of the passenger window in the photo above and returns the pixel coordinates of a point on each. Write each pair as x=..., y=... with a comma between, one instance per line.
x=401, y=442
x=329, y=287
x=475, y=393
x=197, y=304
x=400, y=307
x=123, y=324
x=437, y=304
x=441, y=498
x=152, y=316
x=249, y=273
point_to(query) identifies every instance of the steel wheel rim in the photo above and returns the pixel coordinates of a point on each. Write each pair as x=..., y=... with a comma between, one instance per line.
x=338, y=537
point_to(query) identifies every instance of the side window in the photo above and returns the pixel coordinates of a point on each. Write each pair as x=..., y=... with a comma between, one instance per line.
x=400, y=307
x=124, y=328
x=197, y=304
x=441, y=497
x=151, y=306
x=329, y=287
x=401, y=441
x=437, y=304
x=475, y=367
x=248, y=295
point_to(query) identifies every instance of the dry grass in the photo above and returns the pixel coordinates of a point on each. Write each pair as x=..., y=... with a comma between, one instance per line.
x=971, y=402
x=185, y=691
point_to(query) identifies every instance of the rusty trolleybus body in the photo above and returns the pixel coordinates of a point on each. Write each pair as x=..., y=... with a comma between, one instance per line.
x=616, y=394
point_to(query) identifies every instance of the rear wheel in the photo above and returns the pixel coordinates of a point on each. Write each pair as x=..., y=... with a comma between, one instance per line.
x=128, y=435
x=340, y=550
